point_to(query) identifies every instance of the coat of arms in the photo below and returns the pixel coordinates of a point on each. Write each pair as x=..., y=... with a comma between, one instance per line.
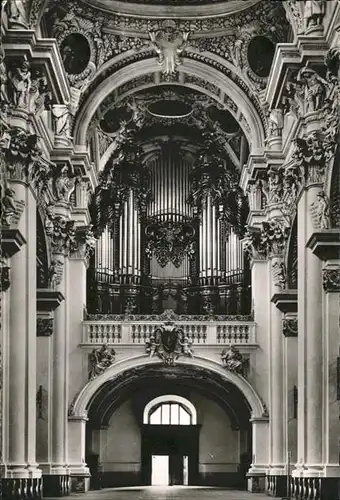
x=169, y=344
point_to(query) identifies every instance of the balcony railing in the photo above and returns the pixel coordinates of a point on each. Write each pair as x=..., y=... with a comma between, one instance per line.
x=136, y=330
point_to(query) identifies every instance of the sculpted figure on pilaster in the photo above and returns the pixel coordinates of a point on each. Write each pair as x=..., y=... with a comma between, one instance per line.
x=11, y=209
x=314, y=88
x=320, y=211
x=314, y=12
x=64, y=184
x=19, y=84
x=275, y=121
x=5, y=281
x=17, y=15
x=275, y=186
x=292, y=181
x=3, y=75
x=279, y=273
x=252, y=244
x=295, y=15
x=39, y=94
x=61, y=122
x=55, y=273
x=169, y=45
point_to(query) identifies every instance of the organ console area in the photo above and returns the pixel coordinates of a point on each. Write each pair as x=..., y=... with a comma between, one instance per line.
x=173, y=242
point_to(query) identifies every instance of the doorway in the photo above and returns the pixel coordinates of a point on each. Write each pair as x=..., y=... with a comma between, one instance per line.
x=169, y=470
x=160, y=470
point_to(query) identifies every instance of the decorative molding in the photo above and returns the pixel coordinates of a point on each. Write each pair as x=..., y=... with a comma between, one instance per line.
x=286, y=301
x=169, y=241
x=331, y=280
x=168, y=43
x=48, y=300
x=325, y=244
x=44, y=327
x=11, y=241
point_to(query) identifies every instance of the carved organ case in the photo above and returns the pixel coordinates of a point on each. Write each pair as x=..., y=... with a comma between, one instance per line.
x=171, y=238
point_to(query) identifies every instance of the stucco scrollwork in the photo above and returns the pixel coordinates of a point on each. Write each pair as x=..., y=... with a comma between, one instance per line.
x=331, y=280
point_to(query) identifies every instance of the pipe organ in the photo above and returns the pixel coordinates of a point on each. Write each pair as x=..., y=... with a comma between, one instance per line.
x=166, y=253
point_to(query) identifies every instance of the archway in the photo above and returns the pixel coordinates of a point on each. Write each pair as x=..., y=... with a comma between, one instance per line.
x=230, y=416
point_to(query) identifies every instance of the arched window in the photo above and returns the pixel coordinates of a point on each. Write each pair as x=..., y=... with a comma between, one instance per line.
x=170, y=410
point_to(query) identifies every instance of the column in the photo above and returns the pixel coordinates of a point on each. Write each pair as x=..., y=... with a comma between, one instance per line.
x=310, y=349
x=277, y=479
x=22, y=473
x=78, y=369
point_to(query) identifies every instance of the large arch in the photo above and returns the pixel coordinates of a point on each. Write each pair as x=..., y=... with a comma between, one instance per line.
x=255, y=134
x=83, y=399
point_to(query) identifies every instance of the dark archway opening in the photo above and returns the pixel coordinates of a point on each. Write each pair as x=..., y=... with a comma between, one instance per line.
x=120, y=445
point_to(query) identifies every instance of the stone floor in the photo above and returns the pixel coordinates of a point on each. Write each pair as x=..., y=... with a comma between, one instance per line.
x=169, y=493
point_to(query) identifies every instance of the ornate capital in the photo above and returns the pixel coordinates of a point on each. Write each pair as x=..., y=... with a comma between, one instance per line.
x=61, y=233
x=331, y=280
x=44, y=327
x=310, y=158
x=290, y=326
x=252, y=244
x=274, y=236
x=84, y=244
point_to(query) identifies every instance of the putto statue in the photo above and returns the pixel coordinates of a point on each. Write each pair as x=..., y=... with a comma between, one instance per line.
x=100, y=360
x=314, y=12
x=169, y=45
x=16, y=11
x=19, y=84
x=233, y=360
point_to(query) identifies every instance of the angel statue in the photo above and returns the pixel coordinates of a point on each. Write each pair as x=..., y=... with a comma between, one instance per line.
x=100, y=360
x=64, y=184
x=169, y=47
x=233, y=360
x=320, y=211
x=8, y=207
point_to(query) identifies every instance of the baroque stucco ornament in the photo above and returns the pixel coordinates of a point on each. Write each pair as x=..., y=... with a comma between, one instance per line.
x=233, y=360
x=168, y=344
x=100, y=360
x=169, y=45
x=331, y=280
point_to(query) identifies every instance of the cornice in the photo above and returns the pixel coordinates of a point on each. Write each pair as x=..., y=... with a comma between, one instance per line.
x=44, y=51
x=218, y=9
x=325, y=244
